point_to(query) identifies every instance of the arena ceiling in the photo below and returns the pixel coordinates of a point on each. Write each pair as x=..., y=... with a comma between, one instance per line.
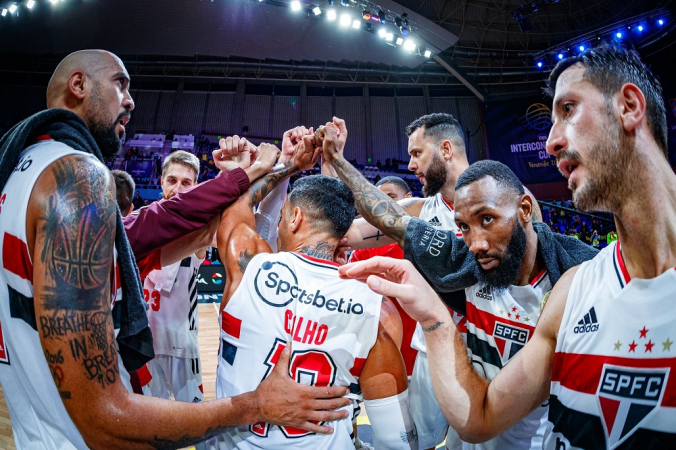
x=478, y=45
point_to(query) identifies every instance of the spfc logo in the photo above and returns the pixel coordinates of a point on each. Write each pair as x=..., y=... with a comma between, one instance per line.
x=509, y=339
x=627, y=397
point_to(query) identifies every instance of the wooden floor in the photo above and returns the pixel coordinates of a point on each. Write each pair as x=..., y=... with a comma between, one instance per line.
x=208, y=339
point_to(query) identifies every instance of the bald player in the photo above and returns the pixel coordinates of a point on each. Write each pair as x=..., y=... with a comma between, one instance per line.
x=61, y=375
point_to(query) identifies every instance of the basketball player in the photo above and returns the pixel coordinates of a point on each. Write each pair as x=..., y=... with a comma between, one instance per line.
x=438, y=156
x=124, y=190
x=403, y=325
x=295, y=295
x=171, y=294
x=57, y=227
x=602, y=352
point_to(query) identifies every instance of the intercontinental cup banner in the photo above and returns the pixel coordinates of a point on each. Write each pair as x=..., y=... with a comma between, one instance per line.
x=517, y=133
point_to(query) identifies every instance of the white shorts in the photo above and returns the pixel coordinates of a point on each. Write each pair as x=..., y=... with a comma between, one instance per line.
x=430, y=422
x=178, y=378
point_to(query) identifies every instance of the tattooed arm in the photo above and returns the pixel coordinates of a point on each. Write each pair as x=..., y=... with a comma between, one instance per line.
x=374, y=205
x=71, y=229
x=238, y=243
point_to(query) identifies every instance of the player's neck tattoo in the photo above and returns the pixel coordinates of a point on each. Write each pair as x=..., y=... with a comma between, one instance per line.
x=321, y=250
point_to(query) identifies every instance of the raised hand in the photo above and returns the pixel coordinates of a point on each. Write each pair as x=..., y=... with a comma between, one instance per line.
x=233, y=152
x=282, y=401
x=305, y=154
x=342, y=133
x=290, y=139
x=267, y=156
x=330, y=145
x=399, y=279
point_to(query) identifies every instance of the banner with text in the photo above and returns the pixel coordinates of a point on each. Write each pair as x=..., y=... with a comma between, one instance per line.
x=517, y=133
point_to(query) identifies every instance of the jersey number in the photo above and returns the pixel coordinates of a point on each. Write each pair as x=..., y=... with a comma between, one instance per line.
x=312, y=367
x=155, y=297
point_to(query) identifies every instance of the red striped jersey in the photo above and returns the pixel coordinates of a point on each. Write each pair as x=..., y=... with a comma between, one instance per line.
x=171, y=294
x=332, y=325
x=439, y=212
x=612, y=385
x=499, y=324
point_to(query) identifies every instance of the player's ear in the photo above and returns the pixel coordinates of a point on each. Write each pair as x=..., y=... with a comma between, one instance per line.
x=526, y=208
x=297, y=219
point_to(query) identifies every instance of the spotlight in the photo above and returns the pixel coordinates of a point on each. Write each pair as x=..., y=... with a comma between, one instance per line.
x=356, y=24
x=331, y=14
x=660, y=22
x=382, y=17
x=30, y=4
x=12, y=8
x=345, y=20
x=389, y=37
x=295, y=5
x=404, y=31
x=399, y=41
x=4, y=12
x=581, y=48
x=640, y=28
x=397, y=22
x=366, y=15
x=618, y=35
x=317, y=10
x=409, y=45
x=344, y=2
x=428, y=53
x=382, y=32
x=54, y=2
x=539, y=64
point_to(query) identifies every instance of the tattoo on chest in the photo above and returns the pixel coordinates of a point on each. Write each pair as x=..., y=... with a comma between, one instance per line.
x=321, y=250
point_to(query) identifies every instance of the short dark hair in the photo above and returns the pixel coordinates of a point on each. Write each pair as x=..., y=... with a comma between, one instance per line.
x=327, y=201
x=607, y=68
x=494, y=169
x=124, y=186
x=398, y=182
x=439, y=126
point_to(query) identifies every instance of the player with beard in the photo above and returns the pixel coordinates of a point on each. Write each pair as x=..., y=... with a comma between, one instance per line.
x=602, y=352
x=59, y=231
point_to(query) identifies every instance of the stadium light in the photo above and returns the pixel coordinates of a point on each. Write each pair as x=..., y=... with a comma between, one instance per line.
x=399, y=41
x=428, y=53
x=355, y=24
x=389, y=37
x=660, y=22
x=382, y=32
x=618, y=35
x=4, y=12
x=12, y=8
x=295, y=5
x=317, y=10
x=366, y=15
x=381, y=16
x=54, y=2
x=539, y=64
x=640, y=28
x=331, y=14
x=560, y=55
x=409, y=45
x=30, y=4
x=345, y=20
x=581, y=48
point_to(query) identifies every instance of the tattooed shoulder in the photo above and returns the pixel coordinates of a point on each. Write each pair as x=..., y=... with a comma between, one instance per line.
x=244, y=259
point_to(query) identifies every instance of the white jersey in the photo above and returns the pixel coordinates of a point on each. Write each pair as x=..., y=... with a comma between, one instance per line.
x=333, y=324
x=612, y=385
x=499, y=323
x=437, y=212
x=39, y=418
x=171, y=294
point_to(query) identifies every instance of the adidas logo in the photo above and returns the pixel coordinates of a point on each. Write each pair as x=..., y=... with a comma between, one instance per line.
x=588, y=324
x=435, y=221
x=485, y=293
x=196, y=400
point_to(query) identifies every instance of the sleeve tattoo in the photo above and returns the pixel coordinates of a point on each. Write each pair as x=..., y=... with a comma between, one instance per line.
x=263, y=186
x=374, y=205
x=76, y=230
